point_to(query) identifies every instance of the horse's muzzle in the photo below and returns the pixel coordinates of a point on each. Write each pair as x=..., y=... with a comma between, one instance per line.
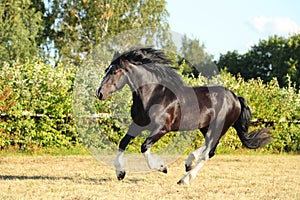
x=99, y=94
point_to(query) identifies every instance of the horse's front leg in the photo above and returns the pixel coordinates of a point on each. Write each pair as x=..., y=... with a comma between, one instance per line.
x=153, y=161
x=119, y=162
x=201, y=155
x=120, y=165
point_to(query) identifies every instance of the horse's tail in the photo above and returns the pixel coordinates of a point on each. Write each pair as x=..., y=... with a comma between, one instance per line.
x=254, y=139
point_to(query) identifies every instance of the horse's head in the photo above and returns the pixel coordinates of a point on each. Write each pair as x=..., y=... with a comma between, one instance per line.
x=114, y=79
x=137, y=67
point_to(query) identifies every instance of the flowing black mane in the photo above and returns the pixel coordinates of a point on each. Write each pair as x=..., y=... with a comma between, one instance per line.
x=143, y=55
x=152, y=60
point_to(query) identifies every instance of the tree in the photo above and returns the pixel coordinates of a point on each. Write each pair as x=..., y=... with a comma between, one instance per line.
x=20, y=26
x=275, y=57
x=293, y=62
x=73, y=28
x=194, y=55
x=232, y=62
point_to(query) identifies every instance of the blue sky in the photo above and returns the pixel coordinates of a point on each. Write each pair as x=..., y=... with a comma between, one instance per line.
x=227, y=25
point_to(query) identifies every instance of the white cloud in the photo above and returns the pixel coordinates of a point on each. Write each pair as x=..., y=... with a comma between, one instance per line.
x=274, y=25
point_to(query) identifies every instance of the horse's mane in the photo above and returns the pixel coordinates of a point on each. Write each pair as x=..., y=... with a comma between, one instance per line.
x=152, y=60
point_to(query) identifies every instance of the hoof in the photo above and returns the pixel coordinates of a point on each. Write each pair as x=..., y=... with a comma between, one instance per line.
x=185, y=180
x=181, y=182
x=121, y=175
x=188, y=168
x=164, y=170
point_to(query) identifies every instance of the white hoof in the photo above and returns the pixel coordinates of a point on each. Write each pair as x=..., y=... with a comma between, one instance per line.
x=155, y=162
x=185, y=180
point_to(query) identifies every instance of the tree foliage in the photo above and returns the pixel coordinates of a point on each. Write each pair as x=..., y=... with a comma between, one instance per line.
x=21, y=25
x=275, y=57
x=73, y=28
x=62, y=31
x=194, y=60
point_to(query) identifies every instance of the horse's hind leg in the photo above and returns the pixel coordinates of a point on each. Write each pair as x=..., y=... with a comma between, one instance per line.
x=212, y=138
x=194, y=156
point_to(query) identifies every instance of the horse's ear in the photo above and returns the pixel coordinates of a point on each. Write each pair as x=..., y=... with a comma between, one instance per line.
x=116, y=55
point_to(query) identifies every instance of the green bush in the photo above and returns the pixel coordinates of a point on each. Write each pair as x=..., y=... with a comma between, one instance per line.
x=36, y=104
x=36, y=111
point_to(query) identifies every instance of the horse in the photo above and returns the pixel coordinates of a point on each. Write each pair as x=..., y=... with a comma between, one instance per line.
x=163, y=103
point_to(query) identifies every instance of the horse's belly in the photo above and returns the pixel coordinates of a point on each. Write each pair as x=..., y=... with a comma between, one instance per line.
x=194, y=119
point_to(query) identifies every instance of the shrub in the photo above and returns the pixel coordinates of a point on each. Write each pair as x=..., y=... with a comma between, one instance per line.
x=36, y=111
x=36, y=105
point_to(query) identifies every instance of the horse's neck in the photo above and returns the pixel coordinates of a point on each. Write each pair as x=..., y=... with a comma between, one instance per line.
x=143, y=94
x=139, y=77
x=143, y=83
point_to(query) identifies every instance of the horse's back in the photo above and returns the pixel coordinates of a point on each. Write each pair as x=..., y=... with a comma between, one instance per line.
x=206, y=103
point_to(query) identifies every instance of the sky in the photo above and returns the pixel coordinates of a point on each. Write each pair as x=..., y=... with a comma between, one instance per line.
x=228, y=25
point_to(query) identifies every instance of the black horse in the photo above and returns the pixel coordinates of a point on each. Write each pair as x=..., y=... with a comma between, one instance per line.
x=162, y=103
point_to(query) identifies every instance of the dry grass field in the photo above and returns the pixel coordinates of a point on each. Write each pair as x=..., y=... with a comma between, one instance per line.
x=82, y=177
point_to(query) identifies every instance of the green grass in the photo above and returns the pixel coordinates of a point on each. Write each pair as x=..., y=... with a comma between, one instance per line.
x=54, y=151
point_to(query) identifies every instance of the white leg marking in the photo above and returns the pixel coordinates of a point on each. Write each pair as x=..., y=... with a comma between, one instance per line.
x=154, y=162
x=193, y=158
x=202, y=158
x=192, y=173
x=120, y=164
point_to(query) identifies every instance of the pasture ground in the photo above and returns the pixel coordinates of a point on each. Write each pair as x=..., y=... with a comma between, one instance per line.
x=83, y=177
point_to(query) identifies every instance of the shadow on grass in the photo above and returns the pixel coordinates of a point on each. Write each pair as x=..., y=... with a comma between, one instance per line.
x=55, y=178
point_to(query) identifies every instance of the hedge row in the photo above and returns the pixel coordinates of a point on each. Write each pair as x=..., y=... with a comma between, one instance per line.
x=35, y=106
x=36, y=111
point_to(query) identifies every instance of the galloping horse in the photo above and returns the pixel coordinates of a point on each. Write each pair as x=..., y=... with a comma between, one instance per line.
x=162, y=103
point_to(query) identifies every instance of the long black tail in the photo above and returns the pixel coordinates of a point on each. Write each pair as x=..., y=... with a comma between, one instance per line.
x=254, y=139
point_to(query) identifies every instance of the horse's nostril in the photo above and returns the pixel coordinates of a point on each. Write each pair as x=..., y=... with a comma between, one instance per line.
x=100, y=95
